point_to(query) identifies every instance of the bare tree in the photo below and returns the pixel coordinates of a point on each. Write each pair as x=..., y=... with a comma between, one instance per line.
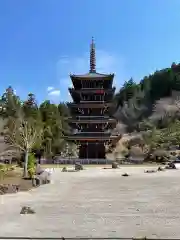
x=23, y=134
x=132, y=110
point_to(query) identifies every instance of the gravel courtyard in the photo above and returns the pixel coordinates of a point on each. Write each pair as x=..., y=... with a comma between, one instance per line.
x=97, y=203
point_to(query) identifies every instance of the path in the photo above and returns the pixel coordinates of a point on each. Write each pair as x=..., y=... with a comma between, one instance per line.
x=99, y=203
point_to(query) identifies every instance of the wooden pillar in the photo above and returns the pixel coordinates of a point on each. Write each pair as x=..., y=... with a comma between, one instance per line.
x=87, y=152
x=96, y=151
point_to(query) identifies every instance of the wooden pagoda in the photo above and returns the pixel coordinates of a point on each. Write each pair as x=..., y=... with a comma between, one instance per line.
x=92, y=95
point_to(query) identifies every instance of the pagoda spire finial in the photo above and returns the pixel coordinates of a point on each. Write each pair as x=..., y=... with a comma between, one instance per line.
x=92, y=57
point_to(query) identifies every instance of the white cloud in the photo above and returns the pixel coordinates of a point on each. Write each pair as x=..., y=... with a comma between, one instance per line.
x=50, y=89
x=54, y=93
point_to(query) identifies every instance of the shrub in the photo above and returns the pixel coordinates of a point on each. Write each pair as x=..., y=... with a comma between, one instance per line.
x=2, y=166
x=31, y=165
x=3, y=170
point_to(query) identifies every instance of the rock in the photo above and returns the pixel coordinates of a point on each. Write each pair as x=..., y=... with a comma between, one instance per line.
x=114, y=165
x=64, y=169
x=78, y=167
x=43, y=178
x=125, y=175
x=68, y=170
x=3, y=189
x=8, y=188
x=27, y=210
x=170, y=166
x=139, y=238
x=160, y=169
x=35, y=181
x=150, y=171
x=39, y=170
x=72, y=170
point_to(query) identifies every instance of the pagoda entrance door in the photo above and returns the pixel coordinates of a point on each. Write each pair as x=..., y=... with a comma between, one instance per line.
x=83, y=151
x=92, y=151
x=96, y=150
x=101, y=151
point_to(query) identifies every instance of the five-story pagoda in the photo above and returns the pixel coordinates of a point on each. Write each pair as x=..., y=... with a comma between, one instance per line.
x=92, y=95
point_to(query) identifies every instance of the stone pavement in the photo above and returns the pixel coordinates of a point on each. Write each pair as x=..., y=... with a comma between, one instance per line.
x=97, y=203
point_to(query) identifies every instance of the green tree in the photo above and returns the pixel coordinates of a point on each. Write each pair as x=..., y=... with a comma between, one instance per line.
x=54, y=128
x=30, y=107
x=10, y=104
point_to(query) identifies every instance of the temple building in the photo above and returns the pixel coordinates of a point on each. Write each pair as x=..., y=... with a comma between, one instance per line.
x=92, y=95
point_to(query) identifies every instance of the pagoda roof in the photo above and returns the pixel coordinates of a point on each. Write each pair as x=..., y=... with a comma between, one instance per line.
x=92, y=75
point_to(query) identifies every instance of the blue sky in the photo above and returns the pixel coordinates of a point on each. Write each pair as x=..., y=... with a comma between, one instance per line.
x=42, y=41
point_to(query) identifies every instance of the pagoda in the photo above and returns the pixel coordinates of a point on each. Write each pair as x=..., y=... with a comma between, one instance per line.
x=92, y=95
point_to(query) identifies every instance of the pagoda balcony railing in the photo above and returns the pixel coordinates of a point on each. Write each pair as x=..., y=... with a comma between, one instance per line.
x=93, y=88
x=92, y=134
x=93, y=101
x=99, y=88
x=92, y=117
x=85, y=120
x=90, y=104
x=96, y=101
x=91, y=137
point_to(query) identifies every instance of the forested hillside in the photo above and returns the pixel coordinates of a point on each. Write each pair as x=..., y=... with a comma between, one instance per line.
x=148, y=113
x=136, y=102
